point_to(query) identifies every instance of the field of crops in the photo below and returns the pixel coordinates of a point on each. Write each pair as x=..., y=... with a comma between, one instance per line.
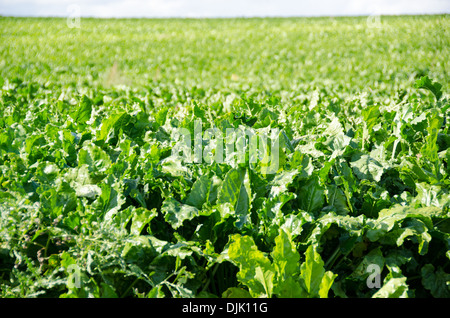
x=101, y=197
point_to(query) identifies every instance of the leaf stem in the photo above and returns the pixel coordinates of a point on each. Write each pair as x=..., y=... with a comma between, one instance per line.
x=333, y=257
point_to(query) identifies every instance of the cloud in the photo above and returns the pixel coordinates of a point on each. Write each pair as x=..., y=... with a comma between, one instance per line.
x=221, y=8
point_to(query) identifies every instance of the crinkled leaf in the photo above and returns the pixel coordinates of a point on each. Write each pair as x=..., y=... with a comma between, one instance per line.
x=114, y=121
x=393, y=288
x=311, y=196
x=175, y=213
x=236, y=292
x=255, y=269
x=83, y=113
x=312, y=271
x=141, y=217
x=366, y=167
x=436, y=281
x=285, y=256
x=235, y=192
x=425, y=83
x=326, y=283
x=199, y=192
x=388, y=218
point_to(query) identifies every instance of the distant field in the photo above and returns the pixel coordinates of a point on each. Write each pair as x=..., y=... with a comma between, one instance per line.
x=274, y=54
x=348, y=198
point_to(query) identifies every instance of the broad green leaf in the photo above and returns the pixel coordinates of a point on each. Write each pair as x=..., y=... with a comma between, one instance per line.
x=255, y=269
x=161, y=116
x=374, y=257
x=141, y=217
x=235, y=192
x=179, y=291
x=90, y=191
x=265, y=277
x=111, y=198
x=336, y=199
x=293, y=224
x=336, y=140
x=425, y=83
x=138, y=250
x=370, y=115
x=393, y=288
x=416, y=229
x=366, y=167
x=436, y=281
x=112, y=122
x=83, y=113
x=96, y=159
x=285, y=256
x=326, y=283
x=200, y=192
x=311, y=196
x=290, y=288
x=175, y=213
x=353, y=226
x=430, y=148
x=388, y=218
x=174, y=166
x=281, y=181
x=236, y=292
x=312, y=272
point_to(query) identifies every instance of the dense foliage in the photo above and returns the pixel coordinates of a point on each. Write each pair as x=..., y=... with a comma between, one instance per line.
x=94, y=202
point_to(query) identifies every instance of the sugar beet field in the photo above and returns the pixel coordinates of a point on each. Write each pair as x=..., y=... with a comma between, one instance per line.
x=225, y=158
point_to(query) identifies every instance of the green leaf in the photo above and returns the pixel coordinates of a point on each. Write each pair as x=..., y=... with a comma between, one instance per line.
x=111, y=198
x=312, y=272
x=415, y=228
x=199, y=192
x=393, y=288
x=174, y=166
x=141, y=217
x=265, y=277
x=336, y=199
x=388, y=218
x=236, y=292
x=430, y=148
x=279, y=184
x=374, y=257
x=138, y=250
x=353, y=226
x=425, y=83
x=311, y=196
x=436, y=281
x=176, y=213
x=179, y=291
x=255, y=270
x=83, y=113
x=326, y=283
x=235, y=192
x=161, y=116
x=114, y=121
x=366, y=167
x=285, y=256
x=90, y=191
x=370, y=115
x=290, y=288
x=96, y=159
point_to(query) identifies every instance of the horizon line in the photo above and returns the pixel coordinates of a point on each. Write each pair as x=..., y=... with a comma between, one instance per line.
x=224, y=17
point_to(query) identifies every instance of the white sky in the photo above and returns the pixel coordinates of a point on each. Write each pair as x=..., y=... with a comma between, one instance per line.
x=219, y=8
